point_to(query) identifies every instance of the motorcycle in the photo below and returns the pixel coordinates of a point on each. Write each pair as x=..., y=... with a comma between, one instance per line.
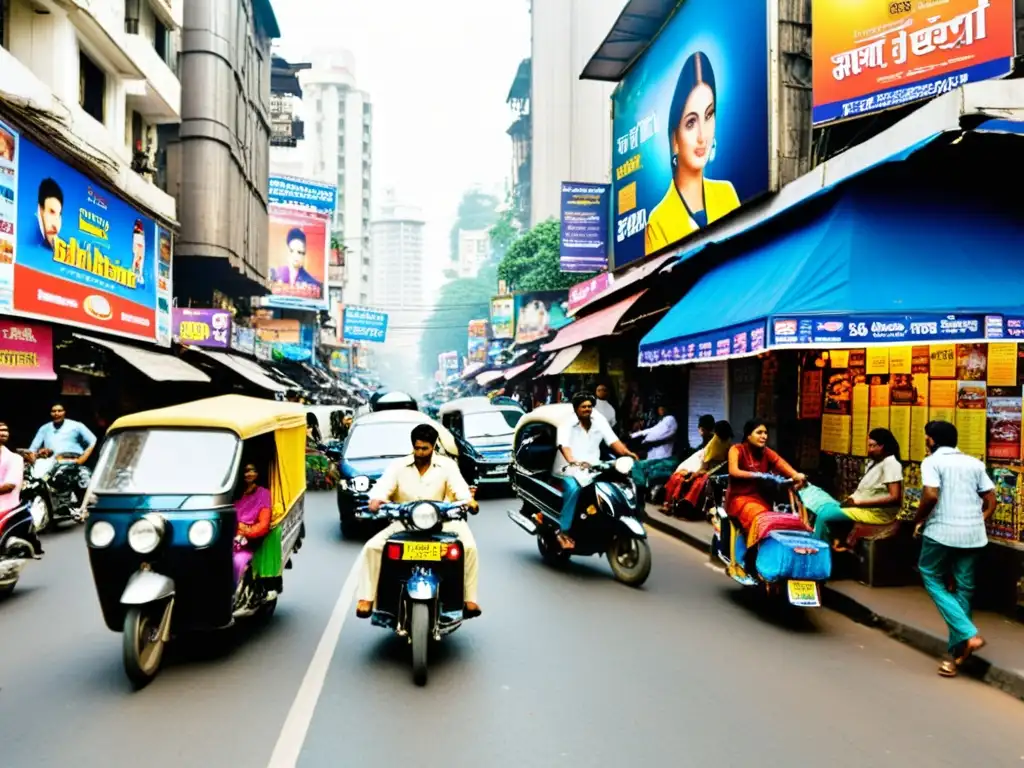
x=787, y=562
x=18, y=545
x=607, y=518
x=420, y=588
x=54, y=488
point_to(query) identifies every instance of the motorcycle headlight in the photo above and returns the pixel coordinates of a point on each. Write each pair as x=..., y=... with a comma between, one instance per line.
x=624, y=465
x=84, y=476
x=101, y=534
x=360, y=484
x=146, y=533
x=200, y=533
x=424, y=516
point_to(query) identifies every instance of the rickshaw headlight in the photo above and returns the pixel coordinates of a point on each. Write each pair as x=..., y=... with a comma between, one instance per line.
x=360, y=484
x=101, y=534
x=145, y=534
x=200, y=533
x=424, y=516
x=624, y=465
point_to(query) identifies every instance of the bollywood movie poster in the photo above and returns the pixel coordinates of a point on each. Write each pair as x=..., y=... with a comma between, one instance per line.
x=1004, y=423
x=300, y=212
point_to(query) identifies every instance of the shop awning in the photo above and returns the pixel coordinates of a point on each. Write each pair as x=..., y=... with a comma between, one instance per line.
x=471, y=370
x=244, y=368
x=876, y=265
x=488, y=377
x=518, y=370
x=601, y=323
x=562, y=360
x=156, y=365
x=628, y=278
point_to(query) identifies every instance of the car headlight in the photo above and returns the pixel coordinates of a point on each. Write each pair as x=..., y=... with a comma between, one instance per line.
x=624, y=465
x=425, y=516
x=360, y=484
x=101, y=534
x=201, y=533
x=145, y=534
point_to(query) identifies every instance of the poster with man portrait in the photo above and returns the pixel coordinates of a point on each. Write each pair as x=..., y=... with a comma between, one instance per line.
x=298, y=247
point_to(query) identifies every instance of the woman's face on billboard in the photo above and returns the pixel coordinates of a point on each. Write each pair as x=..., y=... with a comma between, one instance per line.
x=692, y=140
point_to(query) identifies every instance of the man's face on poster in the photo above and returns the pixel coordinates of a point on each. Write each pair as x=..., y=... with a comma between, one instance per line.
x=296, y=253
x=50, y=219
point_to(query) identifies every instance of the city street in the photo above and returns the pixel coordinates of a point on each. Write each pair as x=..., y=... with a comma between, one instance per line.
x=564, y=668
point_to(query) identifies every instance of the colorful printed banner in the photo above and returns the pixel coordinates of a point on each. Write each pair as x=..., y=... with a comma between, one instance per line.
x=581, y=293
x=503, y=317
x=728, y=342
x=362, y=324
x=243, y=340
x=539, y=314
x=869, y=56
x=866, y=329
x=26, y=350
x=584, y=240
x=300, y=219
x=202, y=327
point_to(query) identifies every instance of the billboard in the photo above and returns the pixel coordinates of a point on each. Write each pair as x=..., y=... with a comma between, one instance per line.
x=871, y=56
x=583, y=246
x=503, y=317
x=26, y=349
x=202, y=327
x=300, y=219
x=362, y=324
x=539, y=314
x=476, y=351
x=448, y=365
x=72, y=252
x=691, y=127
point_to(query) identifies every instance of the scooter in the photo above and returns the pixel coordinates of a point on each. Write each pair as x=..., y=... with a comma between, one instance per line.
x=786, y=563
x=54, y=488
x=607, y=521
x=420, y=588
x=18, y=545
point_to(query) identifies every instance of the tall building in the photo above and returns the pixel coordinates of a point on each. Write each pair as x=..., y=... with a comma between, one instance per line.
x=287, y=129
x=570, y=119
x=339, y=150
x=220, y=168
x=474, y=248
x=522, y=142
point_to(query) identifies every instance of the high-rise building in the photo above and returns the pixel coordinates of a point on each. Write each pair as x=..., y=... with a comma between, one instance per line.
x=339, y=150
x=287, y=129
x=397, y=254
x=474, y=248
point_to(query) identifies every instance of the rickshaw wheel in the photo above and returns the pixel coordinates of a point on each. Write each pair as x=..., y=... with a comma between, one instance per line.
x=143, y=651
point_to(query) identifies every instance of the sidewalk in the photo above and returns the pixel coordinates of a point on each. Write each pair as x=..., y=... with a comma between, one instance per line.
x=904, y=613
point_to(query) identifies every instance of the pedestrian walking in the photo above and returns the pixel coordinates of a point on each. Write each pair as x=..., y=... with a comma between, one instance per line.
x=957, y=499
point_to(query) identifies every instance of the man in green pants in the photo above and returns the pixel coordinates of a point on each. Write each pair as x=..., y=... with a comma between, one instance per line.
x=957, y=499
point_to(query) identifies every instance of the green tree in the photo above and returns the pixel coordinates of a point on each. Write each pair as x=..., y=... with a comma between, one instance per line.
x=503, y=233
x=532, y=261
x=447, y=328
x=478, y=210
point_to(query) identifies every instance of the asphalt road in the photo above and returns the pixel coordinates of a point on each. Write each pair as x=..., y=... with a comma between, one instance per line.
x=564, y=668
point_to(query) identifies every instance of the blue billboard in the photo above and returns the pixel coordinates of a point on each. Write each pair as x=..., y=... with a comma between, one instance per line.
x=362, y=324
x=691, y=127
x=584, y=239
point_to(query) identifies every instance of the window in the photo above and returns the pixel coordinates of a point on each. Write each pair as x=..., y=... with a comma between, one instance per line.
x=5, y=14
x=135, y=461
x=131, y=16
x=161, y=41
x=92, y=86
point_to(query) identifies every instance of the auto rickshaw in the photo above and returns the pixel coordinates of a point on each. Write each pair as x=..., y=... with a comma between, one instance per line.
x=162, y=522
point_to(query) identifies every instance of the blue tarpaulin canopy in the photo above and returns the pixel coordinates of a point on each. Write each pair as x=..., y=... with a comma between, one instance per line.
x=873, y=265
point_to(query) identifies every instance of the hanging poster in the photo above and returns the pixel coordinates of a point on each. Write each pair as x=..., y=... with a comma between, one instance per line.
x=810, y=394
x=971, y=362
x=900, y=420
x=1006, y=519
x=919, y=414
x=943, y=361
x=1003, y=407
x=900, y=359
x=835, y=433
x=861, y=414
x=839, y=358
x=971, y=418
x=877, y=360
x=837, y=393
x=1002, y=365
x=879, y=398
x=942, y=401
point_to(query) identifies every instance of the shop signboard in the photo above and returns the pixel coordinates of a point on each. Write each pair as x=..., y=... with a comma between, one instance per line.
x=202, y=327
x=539, y=314
x=870, y=56
x=341, y=360
x=300, y=218
x=73, y=252
x=869, y=329
x=739, y=340
x=448, y=365
x=691, y=114
x=243, y=340
x=503, y=317
x=26, y=350
x=477, y=342
x=583, y=246
x=363, y=324
x=581, y=293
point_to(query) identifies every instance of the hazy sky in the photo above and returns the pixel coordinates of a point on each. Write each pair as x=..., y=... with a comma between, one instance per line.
x=438, y=73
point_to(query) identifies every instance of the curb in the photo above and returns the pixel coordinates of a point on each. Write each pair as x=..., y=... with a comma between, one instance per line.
x=1010, y=681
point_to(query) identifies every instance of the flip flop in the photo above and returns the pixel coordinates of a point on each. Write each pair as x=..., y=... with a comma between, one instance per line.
x=976, y=643
x=948, y=669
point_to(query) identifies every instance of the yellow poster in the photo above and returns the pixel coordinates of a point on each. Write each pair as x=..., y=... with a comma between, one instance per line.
x=839, y=358
x=877, y=360
x=899, y=425
x=942, y=401
x=943, y=359
x=861, y=415
x=1002, y=365
x=835, y=433
x=900, y=359
x=972, y=427
x=587, y=361
x=918, y=418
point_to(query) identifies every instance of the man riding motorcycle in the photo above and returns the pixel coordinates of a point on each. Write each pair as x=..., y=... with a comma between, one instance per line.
x=62, y=437
x=422, y=476
x=580, y=443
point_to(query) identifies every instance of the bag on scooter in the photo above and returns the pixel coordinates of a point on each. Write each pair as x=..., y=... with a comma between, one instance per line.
x=793, y=555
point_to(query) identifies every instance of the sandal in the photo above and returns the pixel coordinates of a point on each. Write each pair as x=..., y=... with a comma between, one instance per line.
x=948, y=669
x=976, y=643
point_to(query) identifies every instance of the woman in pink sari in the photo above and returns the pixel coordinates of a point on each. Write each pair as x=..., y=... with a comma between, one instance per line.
x=253, y=511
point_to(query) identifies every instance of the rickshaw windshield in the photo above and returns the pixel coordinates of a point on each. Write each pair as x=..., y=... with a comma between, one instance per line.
x=167, y=461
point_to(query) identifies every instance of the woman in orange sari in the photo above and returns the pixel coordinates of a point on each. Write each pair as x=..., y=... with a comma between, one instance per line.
x=748, y=458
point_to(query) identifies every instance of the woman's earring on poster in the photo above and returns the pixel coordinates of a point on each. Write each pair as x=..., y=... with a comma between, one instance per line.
x=714, y=151
x=675, y=160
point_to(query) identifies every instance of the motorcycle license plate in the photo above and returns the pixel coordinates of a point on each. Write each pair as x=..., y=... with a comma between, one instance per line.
x=803, y=594
x=421, y=550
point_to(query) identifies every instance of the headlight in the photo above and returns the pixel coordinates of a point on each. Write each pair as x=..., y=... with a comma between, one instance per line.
x=101, y=534
x=84, y=476
x=360, y=484
x=624, y=465
x=145, y=534
x=425, y=516
x=200, y=533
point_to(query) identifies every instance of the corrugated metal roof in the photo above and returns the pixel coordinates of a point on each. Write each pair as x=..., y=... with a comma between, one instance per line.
x=634, y=30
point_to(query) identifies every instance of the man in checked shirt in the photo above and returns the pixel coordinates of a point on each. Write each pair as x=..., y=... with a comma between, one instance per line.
x=957, y=499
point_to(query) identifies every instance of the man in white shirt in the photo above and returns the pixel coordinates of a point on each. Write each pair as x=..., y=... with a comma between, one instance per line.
x=957, y=499
x=422, y=476
x=579, y=443
x=602, y=406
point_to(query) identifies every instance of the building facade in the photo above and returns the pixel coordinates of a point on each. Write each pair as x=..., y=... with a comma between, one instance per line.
x=287, y=128
x=474, y=248
x=339, y=150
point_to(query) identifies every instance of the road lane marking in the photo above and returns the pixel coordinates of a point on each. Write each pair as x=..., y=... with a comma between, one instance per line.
x=296, y=725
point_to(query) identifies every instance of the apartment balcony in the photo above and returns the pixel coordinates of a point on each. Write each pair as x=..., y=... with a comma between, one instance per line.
x=158, y=96
x=336, y=275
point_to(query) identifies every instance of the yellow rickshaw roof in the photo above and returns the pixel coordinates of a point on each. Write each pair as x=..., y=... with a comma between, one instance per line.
x=245, y=416
x=555, y=415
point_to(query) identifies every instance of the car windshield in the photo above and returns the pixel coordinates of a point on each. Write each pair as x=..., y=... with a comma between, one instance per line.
x=377, y=441
x=494, y=423
x=162, y=461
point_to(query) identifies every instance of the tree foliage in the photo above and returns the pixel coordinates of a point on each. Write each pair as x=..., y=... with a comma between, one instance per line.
x=503, y=233
x=447, y=328
x=532, y=262
x=478, y=210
